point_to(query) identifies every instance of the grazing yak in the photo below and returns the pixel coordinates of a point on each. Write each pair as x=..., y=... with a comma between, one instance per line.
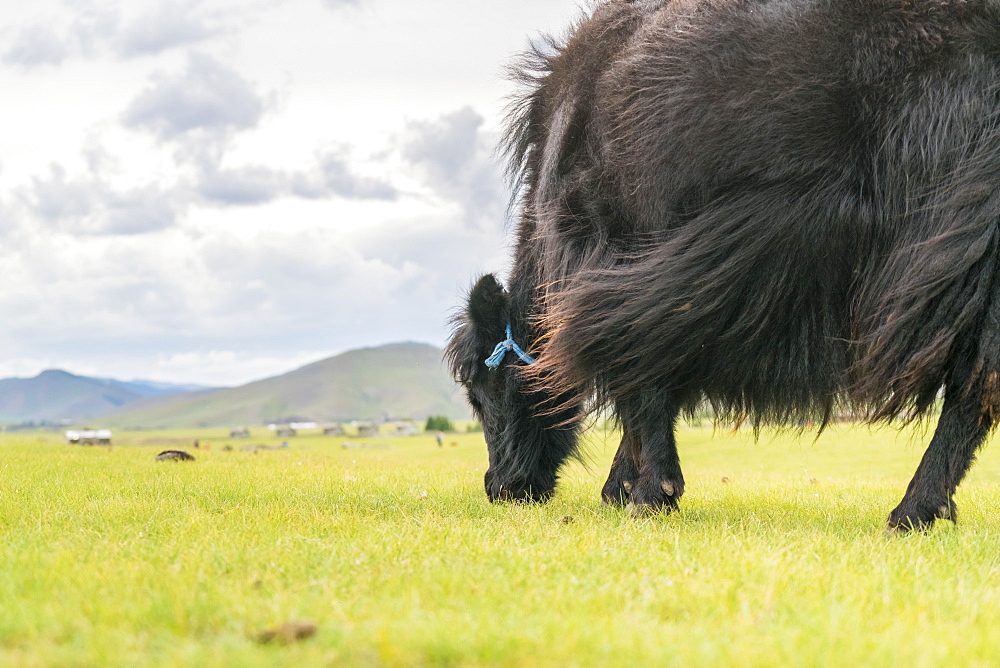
x=784, y=208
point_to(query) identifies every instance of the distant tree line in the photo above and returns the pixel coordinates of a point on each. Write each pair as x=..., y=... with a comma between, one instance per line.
x=438, y=423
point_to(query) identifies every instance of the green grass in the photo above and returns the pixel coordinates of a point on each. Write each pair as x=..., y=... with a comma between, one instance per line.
x=111, y=558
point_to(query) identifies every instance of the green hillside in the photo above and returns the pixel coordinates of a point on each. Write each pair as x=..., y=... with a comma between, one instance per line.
x=405, y=380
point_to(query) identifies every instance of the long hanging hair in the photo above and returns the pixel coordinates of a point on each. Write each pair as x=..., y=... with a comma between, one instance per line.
x=760, y=204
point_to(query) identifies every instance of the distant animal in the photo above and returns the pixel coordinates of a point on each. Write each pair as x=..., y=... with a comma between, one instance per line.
x=780, y=207
x=175, y=455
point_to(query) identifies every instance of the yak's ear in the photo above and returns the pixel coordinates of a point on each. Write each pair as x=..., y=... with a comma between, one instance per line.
x=477, y=329
x=488, y=306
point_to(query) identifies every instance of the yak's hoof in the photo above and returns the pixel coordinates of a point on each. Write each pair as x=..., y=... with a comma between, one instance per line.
x=616, y=493
x=908, y=516
x=650, y=499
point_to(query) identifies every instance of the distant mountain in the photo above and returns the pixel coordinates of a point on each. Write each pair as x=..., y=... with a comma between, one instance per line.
x=58, y=395
x=404, y=380
x=152, y=388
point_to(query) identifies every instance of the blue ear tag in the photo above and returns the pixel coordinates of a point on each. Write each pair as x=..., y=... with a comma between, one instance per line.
x=504, y=347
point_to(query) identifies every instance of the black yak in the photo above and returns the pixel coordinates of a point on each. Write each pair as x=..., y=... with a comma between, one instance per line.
x=780, y=207
x=174, y=456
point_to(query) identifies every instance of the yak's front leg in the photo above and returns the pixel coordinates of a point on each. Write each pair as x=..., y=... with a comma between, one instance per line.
x=651, y=419
x=624, y=470
x=960, y=432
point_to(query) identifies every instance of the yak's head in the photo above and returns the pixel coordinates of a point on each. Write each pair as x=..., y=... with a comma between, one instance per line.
x=525, y=451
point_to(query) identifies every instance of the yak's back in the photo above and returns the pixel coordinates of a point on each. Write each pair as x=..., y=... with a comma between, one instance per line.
x=712, y=96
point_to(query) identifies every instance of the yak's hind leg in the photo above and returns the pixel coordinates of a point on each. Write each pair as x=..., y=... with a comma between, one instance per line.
x=961, y=430
x=624, y=470
x=650, y=421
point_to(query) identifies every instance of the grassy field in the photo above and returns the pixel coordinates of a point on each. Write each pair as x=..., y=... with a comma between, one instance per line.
x=392, y=551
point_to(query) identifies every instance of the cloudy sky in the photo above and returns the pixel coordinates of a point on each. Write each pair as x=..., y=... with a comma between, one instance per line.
x=216, y=191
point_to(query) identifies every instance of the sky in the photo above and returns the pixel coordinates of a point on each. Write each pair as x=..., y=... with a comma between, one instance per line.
x=218, y=191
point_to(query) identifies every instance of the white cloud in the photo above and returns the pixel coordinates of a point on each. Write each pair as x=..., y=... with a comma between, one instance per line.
x=90, y=206
x=167, y=25
x=243, y=186
x=59, y=32
x=337, y=177
x=332, y=175
x=458, y=162
x=36, y=45
x=207, y=96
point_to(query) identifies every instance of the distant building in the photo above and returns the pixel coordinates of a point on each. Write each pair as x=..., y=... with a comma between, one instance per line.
x=286, y=429
x=242, y=432
x=367, y=430
x=89, y=437
x=333, y=430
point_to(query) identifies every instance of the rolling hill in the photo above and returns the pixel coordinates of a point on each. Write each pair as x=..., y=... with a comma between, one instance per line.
x=55, y=395
x=404, y=380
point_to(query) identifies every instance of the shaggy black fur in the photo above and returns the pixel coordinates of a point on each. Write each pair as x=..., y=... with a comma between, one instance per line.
x=783, y=207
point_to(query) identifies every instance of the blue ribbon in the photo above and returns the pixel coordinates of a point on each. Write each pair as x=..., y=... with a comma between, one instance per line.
x=504, y=347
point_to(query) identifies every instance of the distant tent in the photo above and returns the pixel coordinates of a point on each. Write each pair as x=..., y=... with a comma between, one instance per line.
x=89, y=437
